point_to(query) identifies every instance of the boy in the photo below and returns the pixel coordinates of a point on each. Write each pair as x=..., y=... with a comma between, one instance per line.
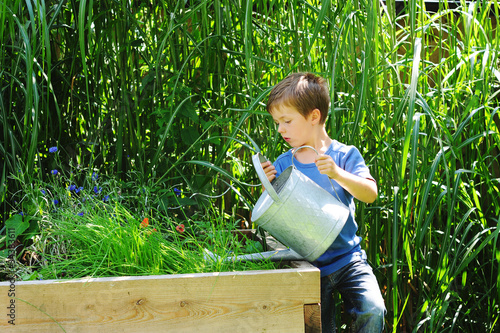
x=299, y=106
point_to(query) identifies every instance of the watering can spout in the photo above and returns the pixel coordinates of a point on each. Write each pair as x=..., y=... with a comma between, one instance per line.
x=276, y=256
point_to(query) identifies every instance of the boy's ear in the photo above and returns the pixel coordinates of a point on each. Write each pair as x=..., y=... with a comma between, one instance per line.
x=316, y=116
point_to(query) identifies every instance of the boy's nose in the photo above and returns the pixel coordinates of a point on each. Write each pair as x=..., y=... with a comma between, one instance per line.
x=280, y=128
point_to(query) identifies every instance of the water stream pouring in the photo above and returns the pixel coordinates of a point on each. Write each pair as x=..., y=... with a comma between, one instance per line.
x=297, y=211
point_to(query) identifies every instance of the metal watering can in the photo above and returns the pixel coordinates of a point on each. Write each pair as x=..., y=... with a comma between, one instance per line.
x=297, y=211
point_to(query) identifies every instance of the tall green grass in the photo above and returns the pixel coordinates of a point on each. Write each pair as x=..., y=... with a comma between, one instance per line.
x=171, y=94
x=110, y=241
x=82, y=224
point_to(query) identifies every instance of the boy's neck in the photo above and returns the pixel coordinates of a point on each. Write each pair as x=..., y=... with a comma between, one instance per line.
x=320, y=142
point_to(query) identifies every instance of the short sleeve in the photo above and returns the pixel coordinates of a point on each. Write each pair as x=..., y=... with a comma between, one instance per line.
x=353, y=162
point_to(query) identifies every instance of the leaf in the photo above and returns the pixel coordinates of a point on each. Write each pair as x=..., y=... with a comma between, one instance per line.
x=15, y=226
x=189, y=111
x=189, y=135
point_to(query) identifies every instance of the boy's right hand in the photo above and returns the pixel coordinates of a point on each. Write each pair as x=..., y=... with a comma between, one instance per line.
x=269, y=170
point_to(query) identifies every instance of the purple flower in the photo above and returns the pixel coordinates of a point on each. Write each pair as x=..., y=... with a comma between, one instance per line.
x=56, y=201
x=79, y=189
x=52, y=149
x=72, y=188
x=54, y=172
x=106, y=198
x=97, y=190
x=177, y=191
x=80, y=214
x=94, y=176
x=43, y=191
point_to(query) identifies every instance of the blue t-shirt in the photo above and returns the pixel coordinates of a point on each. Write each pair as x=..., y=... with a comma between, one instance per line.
x=346, y=247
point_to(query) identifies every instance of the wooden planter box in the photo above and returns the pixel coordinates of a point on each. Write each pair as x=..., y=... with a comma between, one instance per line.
x=282, y=300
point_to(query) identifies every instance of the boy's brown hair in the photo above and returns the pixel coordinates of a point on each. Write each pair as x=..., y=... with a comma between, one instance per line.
x=302, y=91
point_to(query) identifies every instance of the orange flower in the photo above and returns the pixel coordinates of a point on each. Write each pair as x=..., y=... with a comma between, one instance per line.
x=180, y=228
x=145, y=222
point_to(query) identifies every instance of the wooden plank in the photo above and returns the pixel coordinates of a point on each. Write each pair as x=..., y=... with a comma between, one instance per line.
x=252, y=301
x=312, y=312
x=312, y=318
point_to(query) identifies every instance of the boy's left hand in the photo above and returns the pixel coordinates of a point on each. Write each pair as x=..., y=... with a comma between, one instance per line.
x=327, y=166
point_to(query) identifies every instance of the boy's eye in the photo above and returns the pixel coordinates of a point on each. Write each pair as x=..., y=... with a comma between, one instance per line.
x=285, y=122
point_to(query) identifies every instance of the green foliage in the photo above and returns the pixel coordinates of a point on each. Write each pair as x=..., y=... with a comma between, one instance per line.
x=65, y=230
x=112, y=242
x=170, y=94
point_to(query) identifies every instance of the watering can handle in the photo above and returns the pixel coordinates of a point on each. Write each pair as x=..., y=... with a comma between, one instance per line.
x=299, y=148
x=257, y=159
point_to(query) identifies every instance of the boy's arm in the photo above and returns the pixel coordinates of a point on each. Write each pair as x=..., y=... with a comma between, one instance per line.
x=361, y=188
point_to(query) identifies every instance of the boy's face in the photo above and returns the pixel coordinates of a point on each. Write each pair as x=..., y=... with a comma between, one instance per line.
x=295, y=129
